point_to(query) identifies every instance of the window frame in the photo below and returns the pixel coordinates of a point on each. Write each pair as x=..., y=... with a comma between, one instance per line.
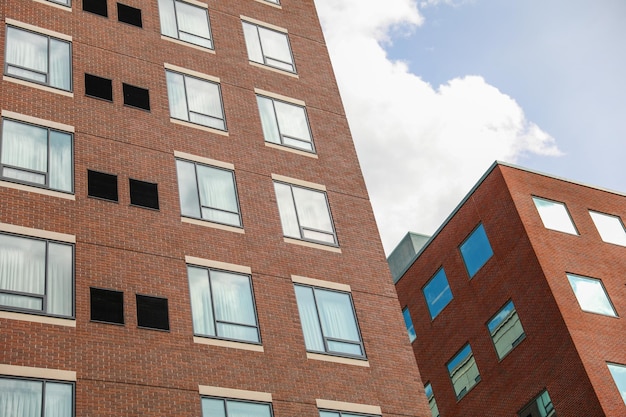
x=66, y=3
x=620, y=388
x=281, y=136
x=257, y=326
x=326, y=339
x=341, y=413
x=429, y=387
x=178, y=30
x=602, y=233
x=529, y=406
x=259, y=44
x=48, y=129
x=575, y=231
x=467, y=240
x=461, y=394
x=226, y=400
x=45, y=296
x=428, y=303
x=517, y=341
x=571, y=276
x=49, y=37
x=297, y=219
x=44, y=382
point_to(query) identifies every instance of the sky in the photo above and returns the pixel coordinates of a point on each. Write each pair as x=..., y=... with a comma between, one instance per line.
x=436, y=90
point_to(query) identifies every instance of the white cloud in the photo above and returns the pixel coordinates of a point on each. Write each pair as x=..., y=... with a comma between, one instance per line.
x=421, y=148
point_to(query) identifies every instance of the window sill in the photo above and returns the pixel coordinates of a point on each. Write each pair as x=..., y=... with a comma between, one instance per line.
x=292, y=150
x=312, y=245
x=267, y=67
x=337, y=359
x=228, y=344
x=207, y=223
x=38, y=86
x=37, y=319
x=199, y=127
x=189, y=44
x=44, y=191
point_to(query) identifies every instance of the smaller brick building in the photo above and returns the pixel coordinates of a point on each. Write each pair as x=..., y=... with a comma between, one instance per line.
x=516, y=304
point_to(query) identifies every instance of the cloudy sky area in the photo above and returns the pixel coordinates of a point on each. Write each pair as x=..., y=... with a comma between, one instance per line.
x=436, y=90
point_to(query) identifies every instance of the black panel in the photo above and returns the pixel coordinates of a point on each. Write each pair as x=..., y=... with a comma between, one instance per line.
x=107, y=306
x=136, y=96
x=102, y=185
x=98, y=87
x=129, y=15
x=152, y=312
x=96, y=6
x=144, y=194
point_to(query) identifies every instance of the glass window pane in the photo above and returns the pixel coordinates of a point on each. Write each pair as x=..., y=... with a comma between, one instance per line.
x=60, y=270
x=329, y=414
x=268, y=119
x=336, y=315
x=476, y=250
x=217, y=188
x=434, y=410
x=463, y=371
x=554, y=215
x=22, y=264
x=275, y=45
x=188, y=189
x=437, y=293
x=58, y=400
x=21, y=301
x=618, y=372
x=292, y=120
x=309, y=319
x=611, y=228
x=201, y=303
x=20, y=398
x=27, y=50
x=287, y=209
x=212, y=407
x=176, y=96
x=409, y=324
x=204, y=97
x=194, y=20
x=253, y=44
x=591, y=295
x=60, y=65
x=506, y=330
x=61, y=161
x=233, y=298
x=167, y=16
x=312, y=209
x=25, y=146
x=245, y=409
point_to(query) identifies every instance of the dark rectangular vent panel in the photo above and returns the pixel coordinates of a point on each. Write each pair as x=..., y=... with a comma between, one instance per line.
x=152, y=312
x=101, y=185
x=144, y=194
x=98, y=7
x=129, y=15
x=98, y=87
x=136, y=96
x=107, y=306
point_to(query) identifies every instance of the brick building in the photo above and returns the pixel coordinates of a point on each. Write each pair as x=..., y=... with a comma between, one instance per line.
x=182, y=219
x=516, y=304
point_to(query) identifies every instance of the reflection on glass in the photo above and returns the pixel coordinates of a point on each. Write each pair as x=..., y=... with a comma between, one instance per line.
x=476, y=250
x=434, y=410
x=268, y=47
x=437, y=293
x=285, y=123
x=184, y=21
x=591, y=295
x=611, y=228
x=195, y=100
x=409, y=324
x=506, y=330
x=554, y=215
x=463, y=371
x=618, y=372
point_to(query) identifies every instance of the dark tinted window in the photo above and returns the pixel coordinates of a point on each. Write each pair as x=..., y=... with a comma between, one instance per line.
x=152, y=312
x=102, y=185
x=136, y=97
x=144, y=194
x=129, y=15
x=96, y=6
x=98, y=87
x=107, y=306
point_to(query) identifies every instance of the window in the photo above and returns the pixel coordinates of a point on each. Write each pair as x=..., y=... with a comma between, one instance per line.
x=223, y=407
x=506, y=330
x=304, y=214
x=539, y=407
x=268, y=47
x=102, y=185
x=285, y=124
x=143, y=194
x=98, y=87
x=195, y=100
x=463, y=371
x=437, y=293
x=618, y=372
x=591, y=295
x=128, y=14
x=63, y=2
x=152, y=312
x=107, y=306
x=554, y=215
x=329, y=322
x=36, y=155
x=611, y=228
x=208, y=193
x=476, y=250
x=222, y=305
x=328, y=413
x=38, y=58
x=136, y=96
x=98, y=7
x=434, y=410
x=36, y=275
x=186, y=22
x=33, y=397
x=409, y=324
x=273, y=1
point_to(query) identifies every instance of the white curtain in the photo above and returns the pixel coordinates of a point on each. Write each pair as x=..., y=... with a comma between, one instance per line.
x=27, y=50
x=253, y=43
x=22, y=269
x=268, y=120
x=58, y=400
x=20, y=398
x=217, y=191
x=201, y=306
x=338, y=321
x=244, y=409
x=60, y=161
x=287, y=210
x=59, y=291
x=188, y=189
x=193, y=23
x=176, y=96
x=313, y=213
x=293, y=122
x=308, y=318
x=232, y=296
x=276, y=49
x=60, y=64
x=205, y=102
x=25, y=146
x=167, y=16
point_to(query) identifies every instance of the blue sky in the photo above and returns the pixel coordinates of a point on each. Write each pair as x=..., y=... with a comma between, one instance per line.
x=436, y=90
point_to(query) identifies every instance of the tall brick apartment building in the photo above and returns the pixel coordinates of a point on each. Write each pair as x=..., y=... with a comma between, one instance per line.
x=184, y=228
x=517, y=302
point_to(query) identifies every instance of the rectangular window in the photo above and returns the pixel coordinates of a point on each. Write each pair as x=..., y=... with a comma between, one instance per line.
x=432, y=403
x=36, y=275
x=330, y=413
x=143, y=194
x=437, y=293
x=506, y=330
x=329, y=322
x=128, y=14
x=610, y=227
x=222, y=305
x=591, y=295
x=38, y=58
x=208, y=193
x=152, y=312
x=98, y=7
x=476, y=250
x=409, y=324
x=63, y=2
x=226, y=407
x=618, y=372
x=268, y=47
x=186, y=22
x=98, y=87
x=102, y=185
x=539, y=407
x=285, y=124
x=195, y=100
x=554, y=215
x=107, y=306
x=305, y=214
x=463, y=371
x=136, y=96
x=37, y=155
x=36, y=398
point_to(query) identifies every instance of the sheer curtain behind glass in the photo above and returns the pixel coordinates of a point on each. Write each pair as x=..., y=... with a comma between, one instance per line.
x=22, y=270
x=217, y=195
x=20, y=398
